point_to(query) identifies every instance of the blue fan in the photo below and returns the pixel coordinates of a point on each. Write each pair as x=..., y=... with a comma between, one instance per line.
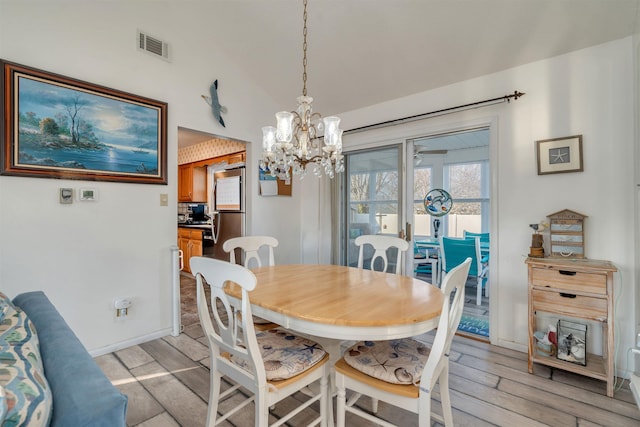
x=438, y=202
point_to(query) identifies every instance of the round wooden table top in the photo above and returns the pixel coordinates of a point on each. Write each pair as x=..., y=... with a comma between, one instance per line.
x=344, y=296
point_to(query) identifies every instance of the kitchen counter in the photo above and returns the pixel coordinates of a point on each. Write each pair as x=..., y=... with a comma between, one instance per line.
x=196, y=226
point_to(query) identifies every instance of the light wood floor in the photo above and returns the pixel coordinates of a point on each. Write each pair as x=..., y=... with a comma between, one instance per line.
x=167, y=382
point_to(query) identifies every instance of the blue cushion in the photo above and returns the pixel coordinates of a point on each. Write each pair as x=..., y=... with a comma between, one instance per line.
x=82, y=394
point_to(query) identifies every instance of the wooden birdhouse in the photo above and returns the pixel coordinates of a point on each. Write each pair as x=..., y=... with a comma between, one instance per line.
x=566, y=234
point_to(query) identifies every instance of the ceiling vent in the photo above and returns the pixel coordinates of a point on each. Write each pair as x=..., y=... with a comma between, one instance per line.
x=153, y=45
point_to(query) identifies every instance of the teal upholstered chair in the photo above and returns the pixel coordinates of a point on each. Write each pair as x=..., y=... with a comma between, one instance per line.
x=454, y=251
x=484, y=238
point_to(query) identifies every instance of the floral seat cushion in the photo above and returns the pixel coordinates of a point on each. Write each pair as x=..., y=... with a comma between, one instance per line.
x=395, y=361
x=284, y=354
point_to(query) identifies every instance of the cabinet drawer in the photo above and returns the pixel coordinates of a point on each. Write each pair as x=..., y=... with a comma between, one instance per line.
x=570, y=280
x=570, y=305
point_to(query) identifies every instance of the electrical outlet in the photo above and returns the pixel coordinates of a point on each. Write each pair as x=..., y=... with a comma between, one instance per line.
x=122, y=306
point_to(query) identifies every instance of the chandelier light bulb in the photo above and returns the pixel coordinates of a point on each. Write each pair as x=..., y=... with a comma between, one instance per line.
x=284, y=131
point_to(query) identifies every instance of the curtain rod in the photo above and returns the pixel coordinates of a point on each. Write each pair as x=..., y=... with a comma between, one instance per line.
x=487, y=102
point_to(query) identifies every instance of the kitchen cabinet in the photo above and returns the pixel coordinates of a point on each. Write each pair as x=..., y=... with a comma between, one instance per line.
x=579, y=289
x=192, y=183
x=235, y=158
x=190, y=243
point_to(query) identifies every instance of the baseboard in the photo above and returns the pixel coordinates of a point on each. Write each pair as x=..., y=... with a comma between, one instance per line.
x=131, y=342
x=524, y=348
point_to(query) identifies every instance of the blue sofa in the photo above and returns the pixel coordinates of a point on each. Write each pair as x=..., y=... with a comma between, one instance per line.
x=82, y=394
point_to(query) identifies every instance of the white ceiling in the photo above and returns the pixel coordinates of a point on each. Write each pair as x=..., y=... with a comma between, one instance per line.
x=363, y=52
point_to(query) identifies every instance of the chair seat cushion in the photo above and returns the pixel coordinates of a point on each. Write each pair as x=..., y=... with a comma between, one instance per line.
x=395, y=361
x=284, y=354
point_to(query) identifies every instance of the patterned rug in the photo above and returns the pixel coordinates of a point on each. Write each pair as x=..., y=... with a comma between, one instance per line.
x=474, y=325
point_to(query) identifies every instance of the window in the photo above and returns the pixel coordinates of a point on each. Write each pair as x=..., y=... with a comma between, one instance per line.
x=422, y=183
x=373, y=190
x=457, y=162
x=468, y=185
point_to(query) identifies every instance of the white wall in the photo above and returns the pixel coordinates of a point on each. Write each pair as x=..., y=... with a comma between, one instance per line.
x=588, y=92
x=87, y=254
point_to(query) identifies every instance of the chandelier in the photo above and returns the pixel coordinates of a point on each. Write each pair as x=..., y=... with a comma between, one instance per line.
x=302, y=138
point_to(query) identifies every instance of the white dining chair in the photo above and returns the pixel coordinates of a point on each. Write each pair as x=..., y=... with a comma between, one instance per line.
x=381, y=244
x=271, y=365
x=410, y=370
x=250, y=245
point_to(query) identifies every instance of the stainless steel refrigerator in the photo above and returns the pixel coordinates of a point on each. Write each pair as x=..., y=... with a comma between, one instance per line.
x=228, y=208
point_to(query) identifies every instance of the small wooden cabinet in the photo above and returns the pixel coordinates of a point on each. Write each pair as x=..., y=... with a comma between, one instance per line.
x=581, y=289
x=192, y=183
x=190, y=243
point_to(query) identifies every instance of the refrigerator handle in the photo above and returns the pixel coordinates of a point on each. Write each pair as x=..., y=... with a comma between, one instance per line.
x=215, y=226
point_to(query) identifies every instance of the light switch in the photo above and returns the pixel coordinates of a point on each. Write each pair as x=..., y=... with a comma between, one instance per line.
x=164, y=199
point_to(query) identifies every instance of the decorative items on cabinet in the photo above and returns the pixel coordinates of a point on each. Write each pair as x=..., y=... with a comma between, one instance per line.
x=537, y=250
x=572, y=342
x=566, y=234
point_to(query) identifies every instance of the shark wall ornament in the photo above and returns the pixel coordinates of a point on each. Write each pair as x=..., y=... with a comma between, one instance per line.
x=214, y=103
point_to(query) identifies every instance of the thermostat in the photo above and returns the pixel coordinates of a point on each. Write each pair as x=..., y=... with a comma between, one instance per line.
x=66, y=196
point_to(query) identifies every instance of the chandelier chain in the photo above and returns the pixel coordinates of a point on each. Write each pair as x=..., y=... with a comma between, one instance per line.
x=304, y=50
x=302, y=139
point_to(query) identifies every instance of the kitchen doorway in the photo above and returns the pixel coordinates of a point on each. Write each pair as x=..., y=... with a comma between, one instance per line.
x=201, y=156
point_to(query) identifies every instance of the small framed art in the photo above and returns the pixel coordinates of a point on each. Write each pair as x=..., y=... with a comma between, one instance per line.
x=559, y=155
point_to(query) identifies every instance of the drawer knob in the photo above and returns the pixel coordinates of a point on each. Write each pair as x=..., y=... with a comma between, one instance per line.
x=567, y=272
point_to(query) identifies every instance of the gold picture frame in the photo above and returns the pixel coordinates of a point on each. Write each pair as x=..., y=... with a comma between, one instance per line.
x=559, y=155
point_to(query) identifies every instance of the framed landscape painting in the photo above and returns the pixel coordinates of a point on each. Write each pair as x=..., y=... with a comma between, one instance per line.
x=57, y=127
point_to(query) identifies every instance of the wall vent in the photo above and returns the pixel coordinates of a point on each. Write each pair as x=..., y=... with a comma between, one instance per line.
x=153, y=45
